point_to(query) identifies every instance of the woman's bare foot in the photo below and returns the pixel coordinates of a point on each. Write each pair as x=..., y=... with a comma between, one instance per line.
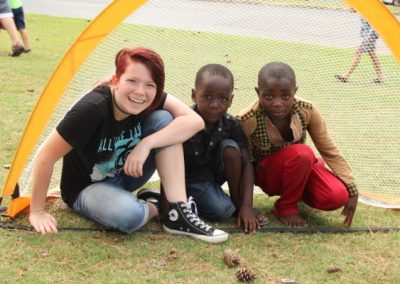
x=293, y=221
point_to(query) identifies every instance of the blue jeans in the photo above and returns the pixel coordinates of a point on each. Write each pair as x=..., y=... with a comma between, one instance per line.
x=111, y=202
x=211, y=200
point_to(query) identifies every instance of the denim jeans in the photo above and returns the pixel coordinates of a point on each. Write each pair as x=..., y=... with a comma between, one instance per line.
x=211, y=201
x=111, y=202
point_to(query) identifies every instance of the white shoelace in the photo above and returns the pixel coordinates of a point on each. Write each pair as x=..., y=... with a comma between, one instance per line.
x=193, y=218
x=192, y=204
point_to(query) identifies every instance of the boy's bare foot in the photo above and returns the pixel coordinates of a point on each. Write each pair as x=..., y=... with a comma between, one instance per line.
x=261, y=217
x=293, y=221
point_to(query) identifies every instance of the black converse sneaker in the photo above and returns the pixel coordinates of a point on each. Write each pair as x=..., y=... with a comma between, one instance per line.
x=150, y=195
x=182, y=220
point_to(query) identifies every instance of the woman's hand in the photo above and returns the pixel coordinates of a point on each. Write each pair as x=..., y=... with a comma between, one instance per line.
x=137, y=157
x=42, y=222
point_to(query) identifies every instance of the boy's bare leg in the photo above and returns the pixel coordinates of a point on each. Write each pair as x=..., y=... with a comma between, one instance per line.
x=233, y=173
x=236, y=178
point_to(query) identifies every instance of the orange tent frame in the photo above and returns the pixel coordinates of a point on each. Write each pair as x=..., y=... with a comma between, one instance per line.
x=374, y=11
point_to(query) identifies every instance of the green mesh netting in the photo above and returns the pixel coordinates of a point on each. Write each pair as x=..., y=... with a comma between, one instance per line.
x=318, y=39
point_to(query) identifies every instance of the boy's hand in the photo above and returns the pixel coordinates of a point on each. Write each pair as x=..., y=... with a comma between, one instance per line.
x=349, y=210
x=248, y=220
x=42, y=222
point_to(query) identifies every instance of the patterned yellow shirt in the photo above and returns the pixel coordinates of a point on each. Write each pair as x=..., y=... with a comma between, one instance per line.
x=265, y=138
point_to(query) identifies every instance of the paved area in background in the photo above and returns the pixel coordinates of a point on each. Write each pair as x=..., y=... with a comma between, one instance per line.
x=301, y=24
x=84, y=9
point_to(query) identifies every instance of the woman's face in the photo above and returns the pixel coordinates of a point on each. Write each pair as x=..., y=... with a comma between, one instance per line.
x=134, y=91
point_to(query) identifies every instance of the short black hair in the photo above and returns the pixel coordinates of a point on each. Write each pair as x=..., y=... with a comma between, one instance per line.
x=276, y=70
x=213, y=70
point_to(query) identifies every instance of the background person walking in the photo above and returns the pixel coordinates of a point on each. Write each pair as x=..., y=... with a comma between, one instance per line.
x=19, y=20
x=368, y=45
x=7, y=23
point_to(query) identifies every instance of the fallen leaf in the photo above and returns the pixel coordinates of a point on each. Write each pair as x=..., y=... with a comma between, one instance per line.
x=173, y=254
x=287, y=281
x=333, y=270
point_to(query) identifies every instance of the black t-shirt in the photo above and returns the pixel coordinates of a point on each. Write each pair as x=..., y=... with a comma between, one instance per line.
x=100, y=142
x=200, y=149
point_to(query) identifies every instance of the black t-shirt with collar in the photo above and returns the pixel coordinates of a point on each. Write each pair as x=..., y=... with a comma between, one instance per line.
x=199, y=150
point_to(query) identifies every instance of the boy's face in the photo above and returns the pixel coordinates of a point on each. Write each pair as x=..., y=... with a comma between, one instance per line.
x=277, y=96
x=213, y=97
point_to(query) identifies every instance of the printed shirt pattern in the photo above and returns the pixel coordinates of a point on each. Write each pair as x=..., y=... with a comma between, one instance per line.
x=100, y=143
x=117, y=148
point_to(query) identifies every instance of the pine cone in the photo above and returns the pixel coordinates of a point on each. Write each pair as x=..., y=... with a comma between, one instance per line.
x=245, y=275
x=231, y=258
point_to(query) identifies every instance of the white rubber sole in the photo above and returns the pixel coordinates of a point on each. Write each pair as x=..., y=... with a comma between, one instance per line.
x=221, y=237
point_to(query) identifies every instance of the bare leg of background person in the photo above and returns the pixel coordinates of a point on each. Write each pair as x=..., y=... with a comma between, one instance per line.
x=377, y=66
x=16, y=47
x=25, y=38
x=9, y=26
x=354, y=64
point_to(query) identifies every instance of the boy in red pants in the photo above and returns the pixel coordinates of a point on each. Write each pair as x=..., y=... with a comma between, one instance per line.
x=276, y=126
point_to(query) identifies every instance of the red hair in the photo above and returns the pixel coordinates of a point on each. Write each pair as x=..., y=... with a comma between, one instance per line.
x=151, y=60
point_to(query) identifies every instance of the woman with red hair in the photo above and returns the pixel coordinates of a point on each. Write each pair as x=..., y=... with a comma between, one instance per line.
x=111, y=142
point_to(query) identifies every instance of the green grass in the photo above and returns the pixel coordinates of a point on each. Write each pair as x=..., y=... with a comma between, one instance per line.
x=100, y=257
x=23, y=80
x=106, y=257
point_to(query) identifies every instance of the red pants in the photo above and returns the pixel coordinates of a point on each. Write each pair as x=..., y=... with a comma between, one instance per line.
x=295, y=174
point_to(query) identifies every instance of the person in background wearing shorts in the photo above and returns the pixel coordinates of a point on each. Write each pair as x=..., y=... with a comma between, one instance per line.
x=7, y=23
x=19, y=19
x=368, y=45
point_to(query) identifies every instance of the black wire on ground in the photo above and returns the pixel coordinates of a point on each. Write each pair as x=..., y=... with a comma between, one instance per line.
x=11, y=227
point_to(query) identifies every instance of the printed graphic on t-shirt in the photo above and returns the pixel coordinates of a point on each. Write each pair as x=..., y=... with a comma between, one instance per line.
x=117, y=149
